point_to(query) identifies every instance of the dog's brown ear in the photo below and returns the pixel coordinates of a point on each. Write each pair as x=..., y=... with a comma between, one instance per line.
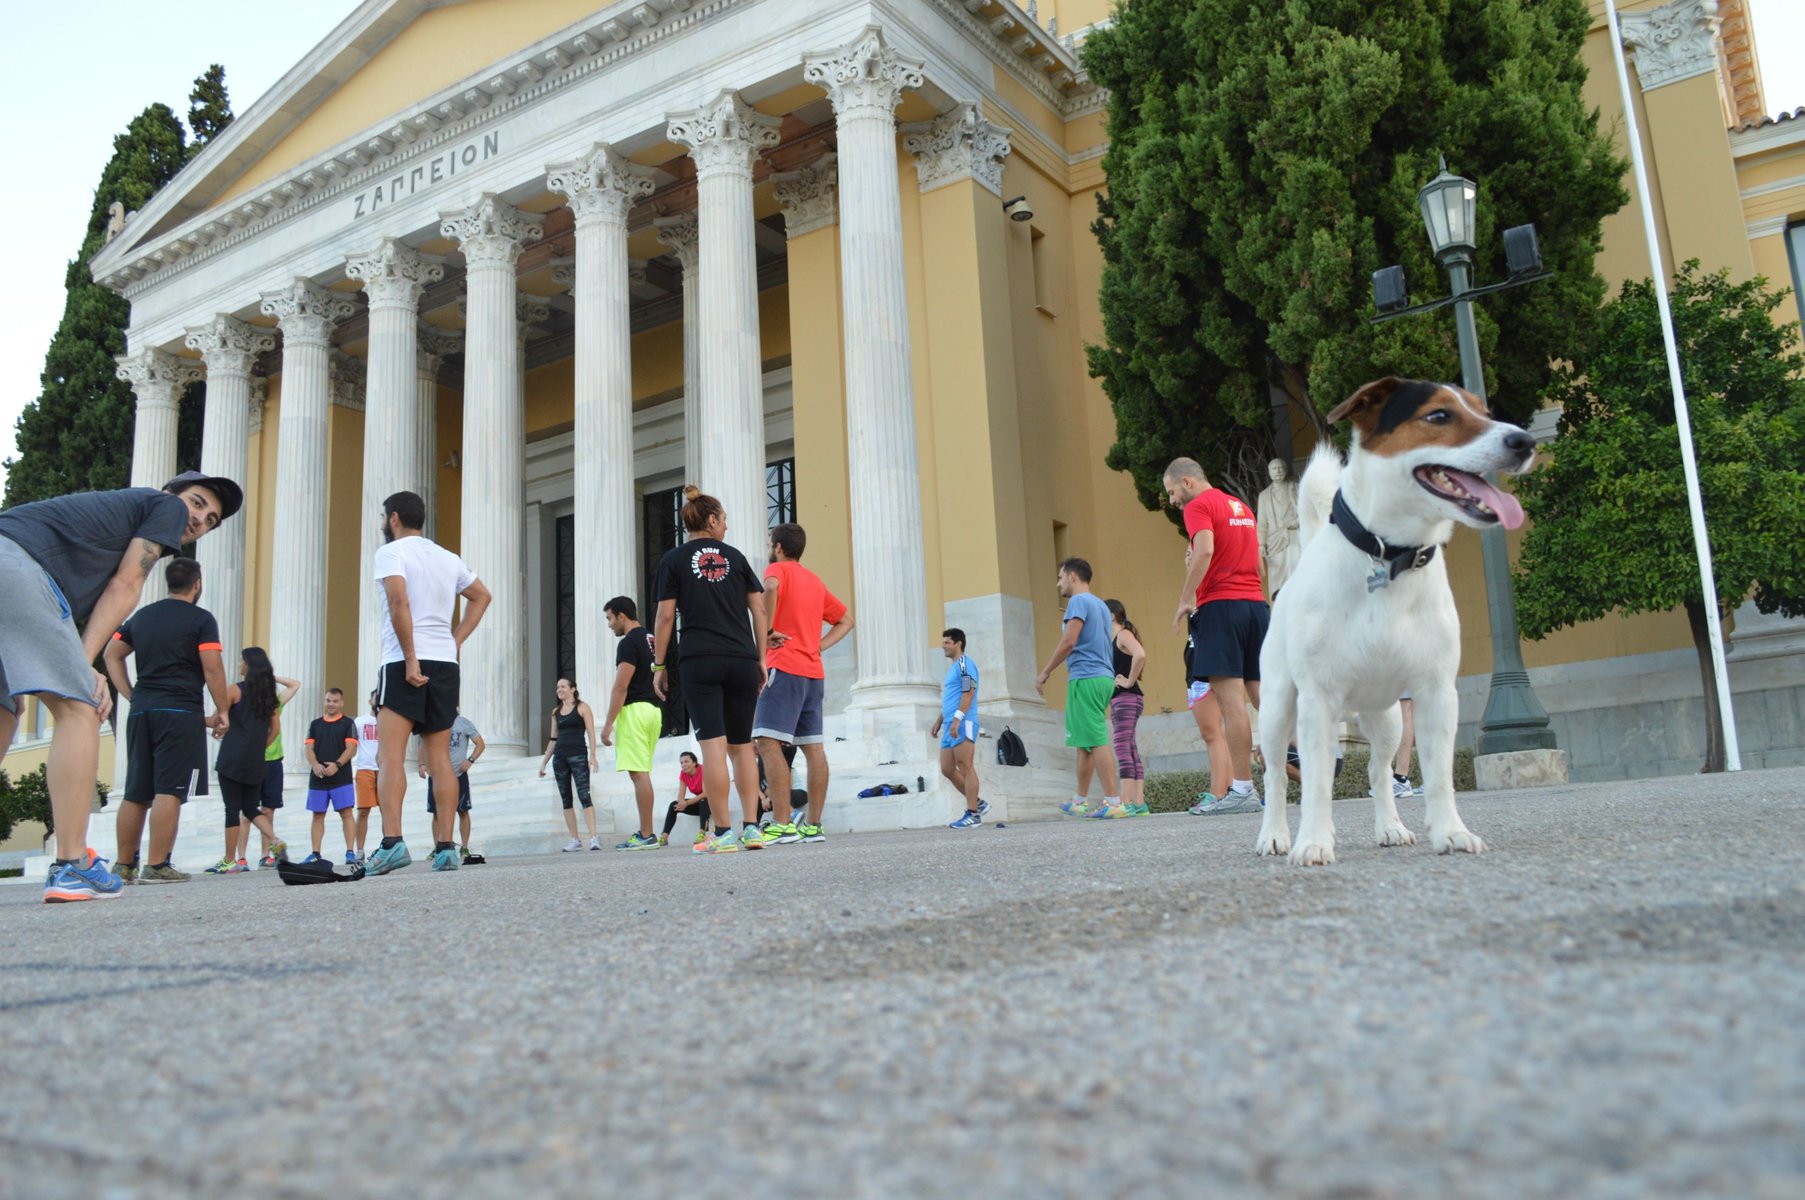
x=1369, y=399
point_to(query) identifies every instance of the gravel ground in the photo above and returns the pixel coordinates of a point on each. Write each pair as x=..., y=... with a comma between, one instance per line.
x=1611, y=1003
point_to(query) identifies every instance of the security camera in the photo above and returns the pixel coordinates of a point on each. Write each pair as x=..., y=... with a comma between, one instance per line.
x=1019, y=209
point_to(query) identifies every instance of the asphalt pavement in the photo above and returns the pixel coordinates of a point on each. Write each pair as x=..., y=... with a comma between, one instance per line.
x=1609, y=1003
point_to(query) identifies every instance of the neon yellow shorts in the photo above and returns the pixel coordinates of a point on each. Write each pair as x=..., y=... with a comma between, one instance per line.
x=636, y=733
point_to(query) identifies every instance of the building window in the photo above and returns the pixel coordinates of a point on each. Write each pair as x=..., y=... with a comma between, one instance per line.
x=1795, y=258
x=780, y=493
x=567, y=598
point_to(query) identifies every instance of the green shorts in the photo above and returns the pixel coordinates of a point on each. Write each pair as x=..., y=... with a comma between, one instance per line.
x=1087, y=712
x=636, y=733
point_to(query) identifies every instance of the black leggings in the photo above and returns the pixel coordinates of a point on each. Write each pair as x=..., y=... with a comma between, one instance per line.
x=569, y=768
x=240, y=798
x=698, y=810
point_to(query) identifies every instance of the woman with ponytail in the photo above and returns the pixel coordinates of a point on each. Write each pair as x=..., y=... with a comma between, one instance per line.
x=570, y=749
x=255, y=722
x=724, y=626
x=1125, y=710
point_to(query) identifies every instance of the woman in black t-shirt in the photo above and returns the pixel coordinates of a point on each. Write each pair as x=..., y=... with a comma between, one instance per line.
x=255, y=722
x=723, y=637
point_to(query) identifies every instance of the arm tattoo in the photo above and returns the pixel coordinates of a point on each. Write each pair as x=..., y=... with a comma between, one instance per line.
x=152, y=552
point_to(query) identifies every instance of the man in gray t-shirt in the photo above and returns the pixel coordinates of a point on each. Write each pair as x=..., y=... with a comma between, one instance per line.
x=71, y=571
x=466, y=747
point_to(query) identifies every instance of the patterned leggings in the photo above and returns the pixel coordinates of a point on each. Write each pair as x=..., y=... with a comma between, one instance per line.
x=1124, y=715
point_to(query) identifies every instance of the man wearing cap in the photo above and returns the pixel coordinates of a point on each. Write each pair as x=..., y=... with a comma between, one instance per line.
x=81, y=560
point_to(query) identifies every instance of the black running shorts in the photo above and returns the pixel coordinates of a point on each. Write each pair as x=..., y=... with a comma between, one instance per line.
x=165, y=755
x=1226, y=636
x=722, y=696
x=432, y=706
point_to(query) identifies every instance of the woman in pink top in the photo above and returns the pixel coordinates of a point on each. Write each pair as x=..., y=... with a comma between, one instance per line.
x=689, y=801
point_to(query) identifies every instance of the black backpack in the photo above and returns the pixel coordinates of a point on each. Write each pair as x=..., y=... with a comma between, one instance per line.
x=1010, y=750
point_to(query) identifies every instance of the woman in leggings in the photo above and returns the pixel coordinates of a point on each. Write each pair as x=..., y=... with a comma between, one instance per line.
x=1125, y=709
x=690, y=801
x=254, y=722
x=723, y=605
x=570, y=749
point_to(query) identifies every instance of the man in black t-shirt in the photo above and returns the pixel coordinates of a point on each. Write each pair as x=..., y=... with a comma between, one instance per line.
x=635, y=718
x=175, y=644
x=74, y=561
x=331, y=745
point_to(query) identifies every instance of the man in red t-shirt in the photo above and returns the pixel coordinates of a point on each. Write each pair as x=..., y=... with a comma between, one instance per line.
x=790, y=708
x=1225, y=610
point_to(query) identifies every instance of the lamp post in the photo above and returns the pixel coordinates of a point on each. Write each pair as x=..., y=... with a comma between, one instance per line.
x=1514, y=718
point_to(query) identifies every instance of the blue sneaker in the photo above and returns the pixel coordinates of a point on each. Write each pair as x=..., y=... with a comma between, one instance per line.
x=69, y=883
x=969, y=820
x=313, y=858
x=393, y=859
x=639, y=841
x=983, y=807
x=446, y=859
x=350, y=858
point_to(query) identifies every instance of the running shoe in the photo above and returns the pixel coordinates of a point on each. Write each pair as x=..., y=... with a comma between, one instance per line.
x=313, y=858
x=726, y=843
x=162, y=874
x=278, y=853
x=69, y=883
x=267, y=862
x=1206, y=804
x=752, y=837
x=782, y=834
x=127, y=872
x=1133, y=809
x=639, y=841
x=239, y=868
x=664, y=839
x=350, y=858
x=1105, y=811
x=222, y=867
x=811, y=833
x=446, y=859
x=1076, y=808
x=1234, y=802
x=595, y=843
x=968, y=820
x=393, y=859
x=701, y=836
x=983, y=807
x=572, y=844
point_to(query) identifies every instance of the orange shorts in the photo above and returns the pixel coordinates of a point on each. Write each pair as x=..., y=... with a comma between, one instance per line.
x=366, y=789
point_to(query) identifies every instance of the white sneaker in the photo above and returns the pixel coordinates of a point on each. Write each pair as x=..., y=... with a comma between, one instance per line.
x=572, y=844
x=595, y=843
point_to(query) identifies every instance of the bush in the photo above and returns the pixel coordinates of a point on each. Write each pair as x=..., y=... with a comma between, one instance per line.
x=28, y=799
x=1175, y=791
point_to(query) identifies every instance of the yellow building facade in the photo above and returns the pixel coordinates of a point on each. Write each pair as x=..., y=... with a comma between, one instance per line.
x=544, y=261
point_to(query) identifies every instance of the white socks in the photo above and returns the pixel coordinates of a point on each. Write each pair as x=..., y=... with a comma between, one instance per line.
x=1243, y=786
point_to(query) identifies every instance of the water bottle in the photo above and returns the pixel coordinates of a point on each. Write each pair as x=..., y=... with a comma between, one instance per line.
x=921, y=784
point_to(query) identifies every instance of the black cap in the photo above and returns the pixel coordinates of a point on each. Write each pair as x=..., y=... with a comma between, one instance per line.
x=231, y=496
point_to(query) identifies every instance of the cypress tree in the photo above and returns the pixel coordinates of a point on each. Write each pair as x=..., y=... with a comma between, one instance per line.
x=209, y=108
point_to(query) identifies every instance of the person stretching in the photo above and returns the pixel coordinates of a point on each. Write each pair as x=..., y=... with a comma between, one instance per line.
x=1125, y=710
x=634, y=713
x=957, y=727
x=570, y=749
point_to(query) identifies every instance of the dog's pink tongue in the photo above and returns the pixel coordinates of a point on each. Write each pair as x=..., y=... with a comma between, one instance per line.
x=1510, y=513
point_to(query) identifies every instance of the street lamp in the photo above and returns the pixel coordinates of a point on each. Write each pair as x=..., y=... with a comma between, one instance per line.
x=1514, y=719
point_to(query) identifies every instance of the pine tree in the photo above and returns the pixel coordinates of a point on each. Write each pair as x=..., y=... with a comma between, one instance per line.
x=209, y=108
x=1264, y=161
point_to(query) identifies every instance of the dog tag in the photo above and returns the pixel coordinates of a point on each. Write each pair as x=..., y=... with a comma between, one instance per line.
x=1381, y=577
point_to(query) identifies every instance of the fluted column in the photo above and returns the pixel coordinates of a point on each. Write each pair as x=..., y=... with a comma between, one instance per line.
x=864, y=80
x=678, y=234
x=306, y=314
x=230, y=348
x=432, y=346
x=724, y=139
x=493, y=537
x=602, y=188
x=393, y=276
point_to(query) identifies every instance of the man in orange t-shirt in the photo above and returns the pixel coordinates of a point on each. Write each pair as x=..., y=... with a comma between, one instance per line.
x=790, y=708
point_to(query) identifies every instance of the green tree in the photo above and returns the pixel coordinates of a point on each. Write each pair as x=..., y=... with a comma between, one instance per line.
x=77, y=435
x=209, y=108
x=1611, y=529
x=25, y=799
x=1264, y=161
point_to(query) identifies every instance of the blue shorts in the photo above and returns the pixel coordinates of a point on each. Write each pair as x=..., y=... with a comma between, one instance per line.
x=338, y=798
x=1226, y=636
x=953, y=733
x=789, y=709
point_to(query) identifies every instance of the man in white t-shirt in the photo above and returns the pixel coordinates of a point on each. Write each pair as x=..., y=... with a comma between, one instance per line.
x=421, y=583
x=364, y=774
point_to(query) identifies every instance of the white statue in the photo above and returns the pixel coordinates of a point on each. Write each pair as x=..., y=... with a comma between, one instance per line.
x=1276, y=511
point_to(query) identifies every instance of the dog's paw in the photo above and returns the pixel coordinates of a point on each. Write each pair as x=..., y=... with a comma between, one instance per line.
x=1309, y=853
x=1394, y=833
x=1459, y=840
x=1274, y=843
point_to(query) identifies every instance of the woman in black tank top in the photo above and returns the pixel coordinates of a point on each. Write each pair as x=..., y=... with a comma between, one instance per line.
x=571, y=751
x=1125, y=709
x=253, y=721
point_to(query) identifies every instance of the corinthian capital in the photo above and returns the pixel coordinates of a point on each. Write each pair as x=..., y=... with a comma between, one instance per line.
x=1673, y=42
x=724, y=135
x=807, y=197
x=530, y=311
x=679, y=235
x=228, y=346
x=601, y=184
x=306, y=312
x=157, y=377
x=491, y=231
x=958, y=145
x=394, y=273
x=349, y=376
x=864, y=77
x=433, y=345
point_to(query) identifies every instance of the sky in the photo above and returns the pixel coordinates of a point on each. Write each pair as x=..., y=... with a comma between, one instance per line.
x=89, y=66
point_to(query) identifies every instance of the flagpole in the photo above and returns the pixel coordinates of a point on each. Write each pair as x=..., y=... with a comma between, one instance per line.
x=1682, y=415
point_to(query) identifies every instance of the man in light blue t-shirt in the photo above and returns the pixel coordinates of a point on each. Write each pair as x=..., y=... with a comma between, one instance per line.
x=957, y=727
x=1090, y=670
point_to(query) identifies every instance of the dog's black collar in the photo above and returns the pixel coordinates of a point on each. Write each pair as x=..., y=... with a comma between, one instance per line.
x=1398, y=559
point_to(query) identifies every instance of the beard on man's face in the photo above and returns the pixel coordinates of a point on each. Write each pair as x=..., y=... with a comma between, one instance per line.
x=388, y=533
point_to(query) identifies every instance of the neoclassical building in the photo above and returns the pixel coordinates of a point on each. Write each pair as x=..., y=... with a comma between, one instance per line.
x=544, y=261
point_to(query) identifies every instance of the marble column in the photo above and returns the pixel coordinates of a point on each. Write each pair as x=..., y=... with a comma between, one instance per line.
x=493, y=494
x=433, y=345
x=602, y=188
x=306, y=314
x=393, y=275
x=678, y=234
x=724, y=138
x=230, y=348
x=865, y=80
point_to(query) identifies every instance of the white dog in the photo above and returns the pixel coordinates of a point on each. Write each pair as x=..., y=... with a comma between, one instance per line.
x=1368, y=615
